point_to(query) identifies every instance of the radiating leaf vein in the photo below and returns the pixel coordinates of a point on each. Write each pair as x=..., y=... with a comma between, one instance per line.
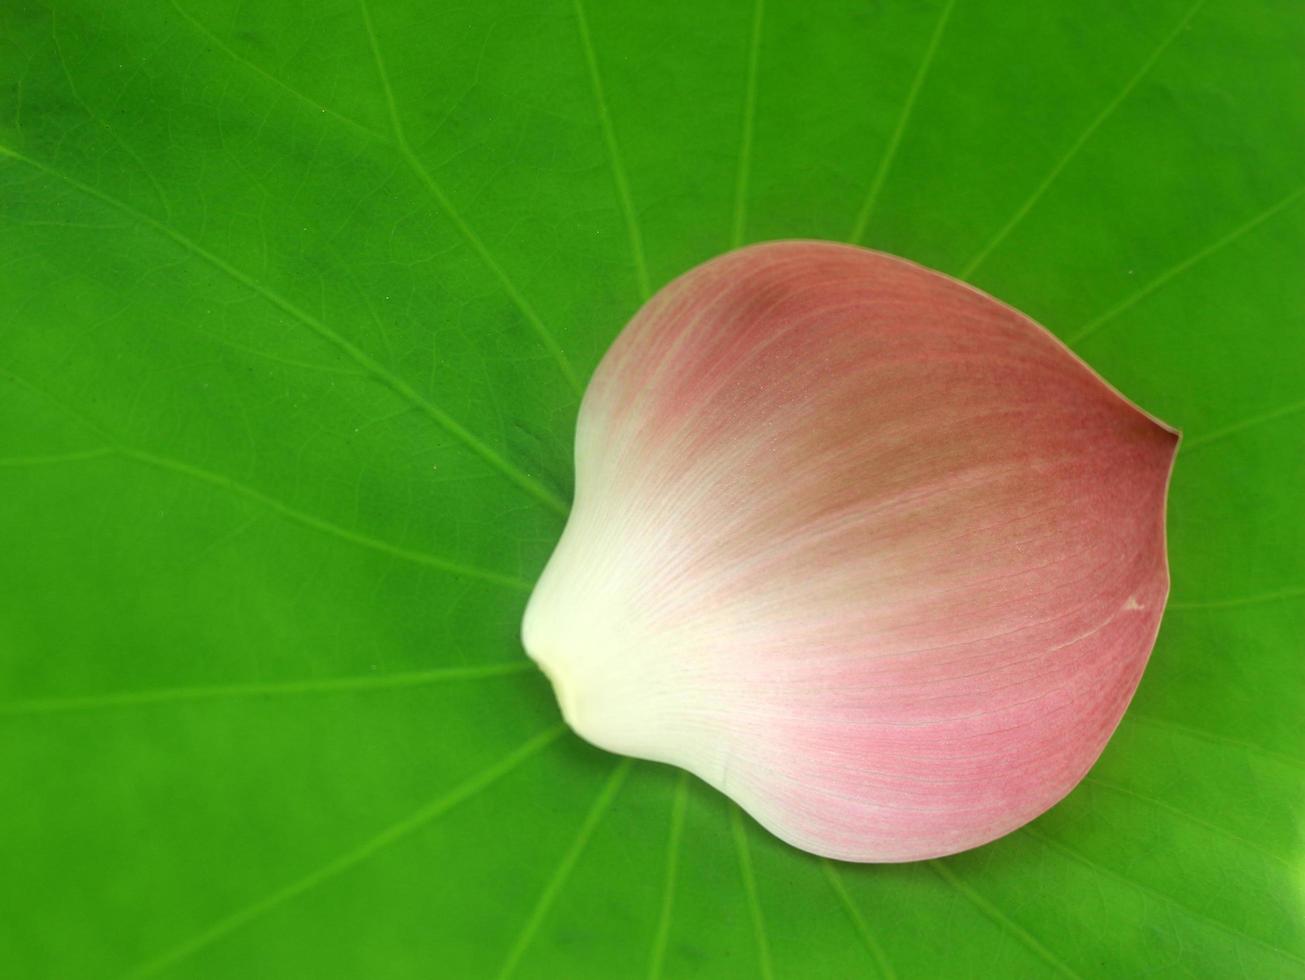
x=749, y=119
x=438, y=807
x=21, y=462
x=867, y=938
x=1214, y=738
x=678, y=805
x=324, y=685
x=319, y=524
x=267, y=76
x=374, y=368
x=1098, y=868
x=558, y=878
x=1001, y=919
x=1184, y=816
x=740, y=832
x=614, y=153
x=903, y=117
x=1177, y=269
x=428, y=181
x=414, y=164
x=1031, y=201
x=1214, y=435
x=1259, y=598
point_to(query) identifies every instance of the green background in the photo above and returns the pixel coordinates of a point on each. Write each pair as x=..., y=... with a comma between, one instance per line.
x=296, y=299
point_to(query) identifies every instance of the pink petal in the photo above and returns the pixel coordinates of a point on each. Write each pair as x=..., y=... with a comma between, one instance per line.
x=867, y=550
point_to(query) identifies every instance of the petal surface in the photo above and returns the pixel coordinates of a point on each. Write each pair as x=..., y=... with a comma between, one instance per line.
x=864, y=548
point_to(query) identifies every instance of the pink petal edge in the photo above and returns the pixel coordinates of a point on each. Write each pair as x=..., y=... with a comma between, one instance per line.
x=871, y=552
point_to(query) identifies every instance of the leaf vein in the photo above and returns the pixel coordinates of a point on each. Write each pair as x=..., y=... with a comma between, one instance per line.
x=872, y=946
x=740, y=832
x=436, y=191
x=225, y=482
x=1214, y=435
x=19, y=462
x=113, y=133
x=614, y=152
x=1000, y=918
x=1031, y=201
x=372, y=367
x=1075, y=855
x=673, y=843
x=894, y=141
x=1174, y=271
x=1246, y=600
x=267, y=76
x=460, y=794
x=558, y=878
x=325, y=685
x=1183, y=815
x=742, y=174
x=1214, y=738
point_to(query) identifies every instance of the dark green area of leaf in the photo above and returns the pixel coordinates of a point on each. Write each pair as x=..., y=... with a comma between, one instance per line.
x=295, y=302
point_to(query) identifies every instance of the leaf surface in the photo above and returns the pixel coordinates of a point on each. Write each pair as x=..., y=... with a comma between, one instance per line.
x=297, y=303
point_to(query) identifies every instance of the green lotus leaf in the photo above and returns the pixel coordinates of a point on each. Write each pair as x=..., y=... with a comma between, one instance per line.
x=296, y=303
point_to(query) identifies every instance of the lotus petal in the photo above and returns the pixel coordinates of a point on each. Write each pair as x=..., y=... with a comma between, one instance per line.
x=864, y=548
